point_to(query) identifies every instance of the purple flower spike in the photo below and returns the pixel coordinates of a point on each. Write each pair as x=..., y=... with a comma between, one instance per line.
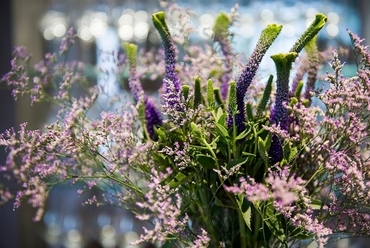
x=152, y=116
x=313, y=67
x=133, y=82
x=279, y=115
x=283, y=64
x=169, y=49
x=267, y=37
x=221, y=34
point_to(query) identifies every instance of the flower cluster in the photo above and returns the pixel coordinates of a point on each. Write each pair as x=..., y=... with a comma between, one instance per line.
x=218, y=160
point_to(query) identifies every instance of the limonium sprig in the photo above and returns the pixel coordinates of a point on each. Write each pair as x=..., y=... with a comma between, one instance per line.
x=222, y=163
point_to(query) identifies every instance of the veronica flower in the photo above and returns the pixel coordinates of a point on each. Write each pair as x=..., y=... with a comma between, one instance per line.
x=279, y=116
x=267, y=37
x=283, y=62
x=313, y=63
x=152, y=115
x=221, y=35
x=169, y=49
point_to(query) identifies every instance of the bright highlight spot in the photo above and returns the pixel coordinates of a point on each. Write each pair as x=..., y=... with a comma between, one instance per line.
x=48, y=34
x=126, y=32
x=84, y=33
x=141, y=16
x=141, y=30
x=288, y=30
x=332, y=30
x=333, y=18
x=59, y=30
x=267, y=15
x=311, y=13
x=125, y=19
x=98, y=27
x=247, y=31
x=207, y=19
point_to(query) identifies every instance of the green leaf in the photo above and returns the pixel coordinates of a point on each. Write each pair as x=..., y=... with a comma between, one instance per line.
x=286, y=150
x=219, y=203
x=220, y=116
x=249, y=154
x=161, y=159
x=222, y=130
x=213, y=144
x=162, y=136
x=195, y=130
x=242, y=135
x=274, y=223
x=316, y=204
x=246, y=211
x=262, y=150
x=266, y=96
x=206, y=161
x=179, y=179
x=169, y=243
x=268, y=141
x=289, y=152
x=239, y=161
x=247, y=216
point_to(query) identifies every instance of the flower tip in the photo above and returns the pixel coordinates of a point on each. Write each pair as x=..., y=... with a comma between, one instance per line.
x=158, y=17
x=222, y=23
x=320, y=20
x=128, y=45
x=273, y=27
x=197, y=79
x=284, y=57
x=131, y=49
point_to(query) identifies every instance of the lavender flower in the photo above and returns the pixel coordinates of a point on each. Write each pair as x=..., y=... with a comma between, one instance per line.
x=267, y=37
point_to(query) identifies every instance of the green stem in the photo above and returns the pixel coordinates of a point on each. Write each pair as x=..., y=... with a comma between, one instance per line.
x=243, y=237
x=203, y=208
x=212, y=153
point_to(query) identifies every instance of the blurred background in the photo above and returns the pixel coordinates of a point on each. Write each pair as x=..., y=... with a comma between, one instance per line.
x=39, y=25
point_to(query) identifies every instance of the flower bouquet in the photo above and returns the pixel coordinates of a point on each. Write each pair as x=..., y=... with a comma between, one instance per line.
x=224, y=158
